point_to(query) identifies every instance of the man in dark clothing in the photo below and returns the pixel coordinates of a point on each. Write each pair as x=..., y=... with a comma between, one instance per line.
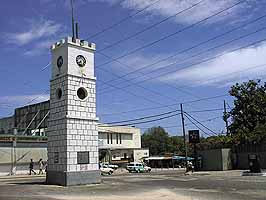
x=31, y=167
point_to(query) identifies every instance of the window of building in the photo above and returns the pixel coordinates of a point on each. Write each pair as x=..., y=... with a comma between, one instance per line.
x=120, y=138
x=108, y=138
x=117, y=138
x=111, y=138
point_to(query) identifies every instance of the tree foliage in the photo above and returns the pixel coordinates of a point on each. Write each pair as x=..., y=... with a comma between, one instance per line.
x=249, y=113
x=215, y=142
x=160, y=143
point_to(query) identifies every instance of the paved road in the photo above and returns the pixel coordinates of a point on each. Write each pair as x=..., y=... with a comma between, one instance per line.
x=164, y=185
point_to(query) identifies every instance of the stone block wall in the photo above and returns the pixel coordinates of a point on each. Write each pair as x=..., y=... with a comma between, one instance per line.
x=72, y=125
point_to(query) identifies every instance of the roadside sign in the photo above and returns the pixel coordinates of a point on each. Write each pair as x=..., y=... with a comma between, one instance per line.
x=193, y=136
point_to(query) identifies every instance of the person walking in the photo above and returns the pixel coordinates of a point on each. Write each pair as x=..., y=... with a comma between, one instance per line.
x=41, y=165
x=31, y=167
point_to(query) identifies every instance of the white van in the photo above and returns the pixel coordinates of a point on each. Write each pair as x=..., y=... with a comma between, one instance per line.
x=138, y=167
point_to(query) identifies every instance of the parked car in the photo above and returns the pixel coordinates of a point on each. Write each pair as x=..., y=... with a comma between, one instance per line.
x=109, y=165
x=106, y=170
x=138, y=167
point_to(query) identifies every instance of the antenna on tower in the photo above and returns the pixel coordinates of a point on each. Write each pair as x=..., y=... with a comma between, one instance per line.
x=73, y=22
x=77, y=30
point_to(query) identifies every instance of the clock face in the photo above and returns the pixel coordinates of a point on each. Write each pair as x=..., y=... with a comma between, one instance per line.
x=81, y=61
x=60, y=62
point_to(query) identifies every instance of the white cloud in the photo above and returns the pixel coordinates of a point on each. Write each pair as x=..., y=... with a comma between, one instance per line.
x=40, y=47
x=167, y=8
x=37, y=30
x=20, y=100
x=134, y=63
x=139, y=60
x=232, y=67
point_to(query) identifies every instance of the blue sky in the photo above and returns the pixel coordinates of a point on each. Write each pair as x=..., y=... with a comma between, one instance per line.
x=29, y=27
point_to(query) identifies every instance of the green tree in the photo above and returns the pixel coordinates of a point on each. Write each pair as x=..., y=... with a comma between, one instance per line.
x=176, y=145
x=249, y=113
x=156, y=139
x=160, y=142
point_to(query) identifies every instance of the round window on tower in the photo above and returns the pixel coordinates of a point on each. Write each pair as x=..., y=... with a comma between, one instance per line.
x=59, y=93
x=82, y=93
x=60, y=62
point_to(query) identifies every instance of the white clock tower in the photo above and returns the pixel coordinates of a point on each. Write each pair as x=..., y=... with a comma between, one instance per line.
x=73, y=130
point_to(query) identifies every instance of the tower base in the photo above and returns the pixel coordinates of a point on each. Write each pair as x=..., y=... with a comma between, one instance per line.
x=73, y=178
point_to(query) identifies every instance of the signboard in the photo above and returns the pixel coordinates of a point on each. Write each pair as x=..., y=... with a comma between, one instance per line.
x=194, y=136
x=252, y=157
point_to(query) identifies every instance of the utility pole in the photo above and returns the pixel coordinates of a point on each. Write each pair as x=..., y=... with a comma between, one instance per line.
x=14, y=169
x=225, y=118
x=184, y=132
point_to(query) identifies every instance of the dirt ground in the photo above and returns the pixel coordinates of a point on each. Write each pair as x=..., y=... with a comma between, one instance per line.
x=160, y=185
x=152, y=195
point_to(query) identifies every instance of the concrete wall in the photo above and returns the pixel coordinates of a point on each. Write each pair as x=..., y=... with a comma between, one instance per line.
x=226, y=159
x=23, y=156
x=216, y=159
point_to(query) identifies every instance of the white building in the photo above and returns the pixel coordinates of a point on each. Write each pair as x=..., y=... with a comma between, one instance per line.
x=121, y=143
x=116, y=144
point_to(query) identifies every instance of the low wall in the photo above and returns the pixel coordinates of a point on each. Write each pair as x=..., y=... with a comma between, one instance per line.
x=21, y=156
x=216, y=159
x=242, y=160
x=241, y=152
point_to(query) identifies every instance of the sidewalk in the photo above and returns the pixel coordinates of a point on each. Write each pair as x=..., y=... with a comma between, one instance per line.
x=220, y=173
x=21, y=176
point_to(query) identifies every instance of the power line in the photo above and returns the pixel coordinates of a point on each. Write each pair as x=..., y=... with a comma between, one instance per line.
x=208, y=110
x=142, y=118
x=200, y=62
x=170, y=105
x=122, y=20
x=239, y=71
x=149, y=27
x=175, y=126
x=49, y=63
x=149, y=121
x=198, y=127
x=201, y=123
x=207, y=98
x=228, y=105
x=129, y=92
x=172, y=34
x=140, y=86
x=190, y=48
x=200, y=53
